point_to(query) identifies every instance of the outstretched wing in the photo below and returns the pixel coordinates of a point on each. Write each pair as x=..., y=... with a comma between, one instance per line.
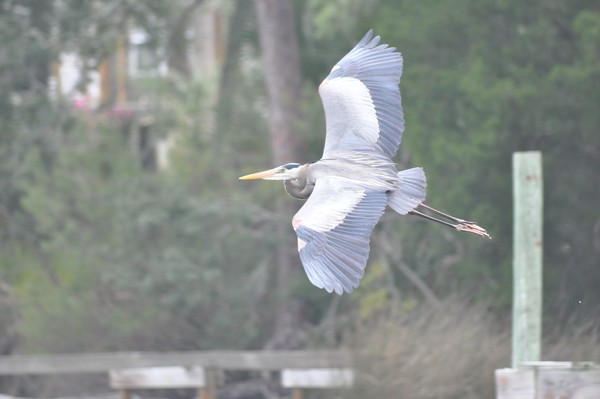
x=334, y=228
x=362, y=102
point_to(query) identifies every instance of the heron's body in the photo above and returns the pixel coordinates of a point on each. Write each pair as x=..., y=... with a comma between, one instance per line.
x=348, y=190
x=369, y=171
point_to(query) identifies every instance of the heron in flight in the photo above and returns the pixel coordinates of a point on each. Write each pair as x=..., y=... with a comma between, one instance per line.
x=347, y=190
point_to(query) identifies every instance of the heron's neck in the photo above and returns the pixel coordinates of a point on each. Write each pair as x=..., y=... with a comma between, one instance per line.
x=302, y=185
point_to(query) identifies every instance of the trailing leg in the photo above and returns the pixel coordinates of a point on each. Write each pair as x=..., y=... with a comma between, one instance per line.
x=451, y=221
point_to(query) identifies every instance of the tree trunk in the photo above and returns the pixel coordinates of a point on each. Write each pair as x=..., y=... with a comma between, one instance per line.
x=177, y=50
x=231, y=60
x=281, y=62
x=41, y=12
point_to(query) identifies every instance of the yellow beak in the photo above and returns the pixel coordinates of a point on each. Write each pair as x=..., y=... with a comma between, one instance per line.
x=259, y=175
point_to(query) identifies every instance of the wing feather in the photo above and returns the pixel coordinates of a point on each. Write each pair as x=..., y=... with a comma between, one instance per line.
x=362, y=102
x=334, y=228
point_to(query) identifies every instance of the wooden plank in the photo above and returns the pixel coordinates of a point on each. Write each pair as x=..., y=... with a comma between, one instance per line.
x=121, y=70
x=515, y=384
x=553, y=365
x=567, y=380
x=158, y=378
x=224, y=360
x=317, y=378
x=568, y=384
x=549, y=380
x=527, y=257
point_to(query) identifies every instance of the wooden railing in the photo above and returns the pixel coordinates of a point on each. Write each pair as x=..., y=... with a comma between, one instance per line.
x=144, y=370
x=132, y=370
x=221, y=360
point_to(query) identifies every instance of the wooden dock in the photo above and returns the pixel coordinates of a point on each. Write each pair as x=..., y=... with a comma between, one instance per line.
x=320, y=369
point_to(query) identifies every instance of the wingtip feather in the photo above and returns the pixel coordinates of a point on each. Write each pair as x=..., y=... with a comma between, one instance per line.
x=366, y=38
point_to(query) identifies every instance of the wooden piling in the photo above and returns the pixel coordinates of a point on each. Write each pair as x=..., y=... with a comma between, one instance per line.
x=527, y=257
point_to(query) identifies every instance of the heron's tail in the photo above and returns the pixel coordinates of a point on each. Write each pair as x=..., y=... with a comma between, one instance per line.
x=412, y=186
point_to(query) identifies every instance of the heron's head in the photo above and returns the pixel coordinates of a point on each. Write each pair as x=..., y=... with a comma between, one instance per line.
x=286, y=171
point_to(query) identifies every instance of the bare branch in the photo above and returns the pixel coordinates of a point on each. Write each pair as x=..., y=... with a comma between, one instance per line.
x=395, y=256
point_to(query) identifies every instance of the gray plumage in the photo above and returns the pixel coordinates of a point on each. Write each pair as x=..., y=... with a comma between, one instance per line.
x=348, y=190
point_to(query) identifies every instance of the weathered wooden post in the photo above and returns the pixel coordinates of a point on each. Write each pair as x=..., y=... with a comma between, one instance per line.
x=209, y=391
x=527, y=257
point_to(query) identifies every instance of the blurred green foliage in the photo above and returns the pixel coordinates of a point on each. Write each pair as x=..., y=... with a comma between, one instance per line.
x=98, y=253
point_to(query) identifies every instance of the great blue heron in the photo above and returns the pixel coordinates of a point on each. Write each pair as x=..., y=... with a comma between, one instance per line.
x=348, y=189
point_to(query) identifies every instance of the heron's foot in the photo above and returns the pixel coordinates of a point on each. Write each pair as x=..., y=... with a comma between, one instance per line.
x=452, y=221
x=473, y=228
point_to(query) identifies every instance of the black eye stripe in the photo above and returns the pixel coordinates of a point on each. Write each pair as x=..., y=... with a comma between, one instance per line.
x=289, y=166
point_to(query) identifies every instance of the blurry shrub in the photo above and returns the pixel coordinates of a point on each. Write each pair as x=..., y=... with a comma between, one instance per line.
x=448, y=352
x=576, y=340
